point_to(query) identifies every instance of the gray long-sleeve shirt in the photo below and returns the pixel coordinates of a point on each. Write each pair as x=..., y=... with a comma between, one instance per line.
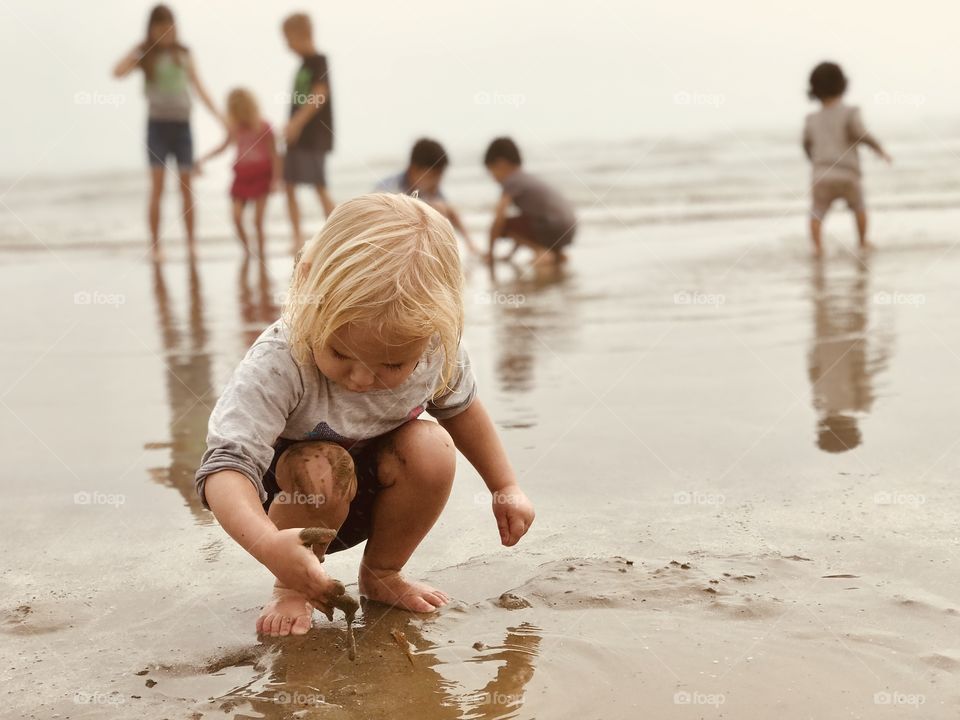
x=271, y=396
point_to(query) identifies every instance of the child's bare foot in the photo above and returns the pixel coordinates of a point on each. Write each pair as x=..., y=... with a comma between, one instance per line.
x=391, y=588
x=288, y=613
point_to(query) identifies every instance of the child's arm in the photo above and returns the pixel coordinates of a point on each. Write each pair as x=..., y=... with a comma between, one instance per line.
x=457, y=223
x=203, y=94
x=304, y=113
x=499, y=220
x=807, y=143
x=861, y=135
x=128, y=63
x=250, y=414
x=275, y=158
x=216, y=151
x=476, y=437
x=319, y=92
x=236, y=505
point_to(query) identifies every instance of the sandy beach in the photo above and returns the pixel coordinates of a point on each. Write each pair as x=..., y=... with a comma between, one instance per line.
x=742, y=463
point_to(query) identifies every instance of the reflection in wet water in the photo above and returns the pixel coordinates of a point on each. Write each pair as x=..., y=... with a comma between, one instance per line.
x=503, y=695
x=189, y=387
x=188, y=361
x=258, y=305
x=845, y=356
x=533, y=317
x=312, y=673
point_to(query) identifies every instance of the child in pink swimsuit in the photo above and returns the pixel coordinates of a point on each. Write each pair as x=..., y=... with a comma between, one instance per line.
x=257, y=166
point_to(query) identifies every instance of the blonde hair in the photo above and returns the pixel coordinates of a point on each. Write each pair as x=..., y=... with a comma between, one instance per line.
x=242, y=108
x=389, y=262
x=298, y=23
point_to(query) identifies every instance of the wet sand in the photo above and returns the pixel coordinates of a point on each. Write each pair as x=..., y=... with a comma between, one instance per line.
x=743, y=464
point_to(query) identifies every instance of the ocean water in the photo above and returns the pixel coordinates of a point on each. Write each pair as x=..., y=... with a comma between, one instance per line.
x=647, y=181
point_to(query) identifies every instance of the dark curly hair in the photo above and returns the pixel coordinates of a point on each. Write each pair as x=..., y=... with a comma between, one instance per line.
x=430, y=154
x=827, y=81
x=502, y=148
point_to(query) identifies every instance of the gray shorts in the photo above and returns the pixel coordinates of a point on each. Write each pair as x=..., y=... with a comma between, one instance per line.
x=305, y=166
x=828, y=189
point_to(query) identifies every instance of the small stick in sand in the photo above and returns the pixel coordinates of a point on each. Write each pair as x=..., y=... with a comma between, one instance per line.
x=401, y=639
x=346, y=603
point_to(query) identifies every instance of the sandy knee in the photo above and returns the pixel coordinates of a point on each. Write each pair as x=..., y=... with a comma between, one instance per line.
x=317, y=468
x=421, y=450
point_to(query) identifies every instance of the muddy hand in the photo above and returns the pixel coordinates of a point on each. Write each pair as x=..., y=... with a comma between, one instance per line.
x=322, y=536
x=338, y=598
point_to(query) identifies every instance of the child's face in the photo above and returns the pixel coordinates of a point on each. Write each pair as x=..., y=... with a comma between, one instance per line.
x=426, y=180
x=163, y=34
x=358, y=359
x=298, y=41
x=500, y=169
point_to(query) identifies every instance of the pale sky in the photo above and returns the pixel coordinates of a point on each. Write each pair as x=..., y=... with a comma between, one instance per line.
x=543, y=71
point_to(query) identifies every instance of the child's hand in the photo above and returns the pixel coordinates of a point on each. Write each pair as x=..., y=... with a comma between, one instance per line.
x=197, y=170
x=514, y=514
x=298, y=568
x=291, y=133
x=886, y=158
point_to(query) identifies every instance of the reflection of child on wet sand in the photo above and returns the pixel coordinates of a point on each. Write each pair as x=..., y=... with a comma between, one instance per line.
x=830, y=139
x=319, y=427
x=546, y=223
x=256, y=169
x=424, y=173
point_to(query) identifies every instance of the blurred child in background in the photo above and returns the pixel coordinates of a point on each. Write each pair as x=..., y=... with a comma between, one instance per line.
x=256, y=169
x=309, y=133
x=169, y=74
x=546, y=223
x=423, y=175
x=831, y=136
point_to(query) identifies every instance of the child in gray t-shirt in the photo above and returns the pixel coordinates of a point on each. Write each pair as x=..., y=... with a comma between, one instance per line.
x=319, y=426
x=830, y=139
x=546, y=223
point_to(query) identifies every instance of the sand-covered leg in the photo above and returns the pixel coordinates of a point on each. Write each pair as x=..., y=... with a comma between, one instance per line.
x=317, y=484
x=416, y=467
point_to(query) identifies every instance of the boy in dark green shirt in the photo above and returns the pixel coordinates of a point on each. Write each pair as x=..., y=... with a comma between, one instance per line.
x=309, y=134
